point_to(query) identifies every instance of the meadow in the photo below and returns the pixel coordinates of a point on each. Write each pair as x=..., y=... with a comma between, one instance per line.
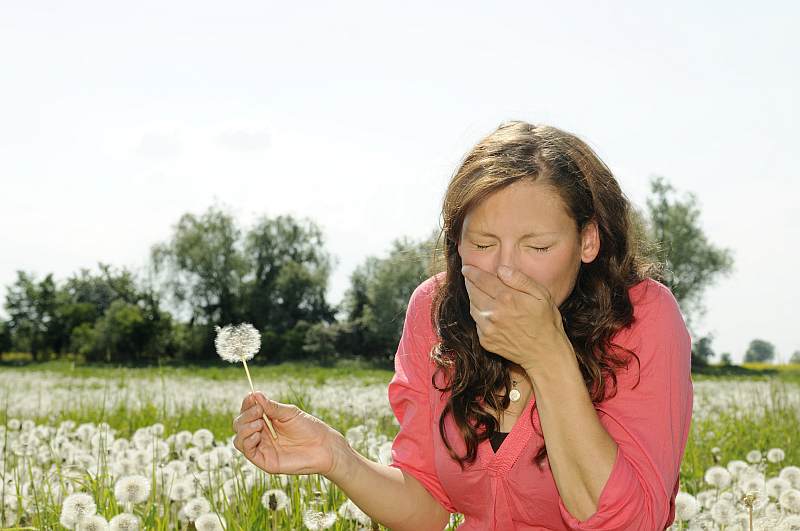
x=151, y=448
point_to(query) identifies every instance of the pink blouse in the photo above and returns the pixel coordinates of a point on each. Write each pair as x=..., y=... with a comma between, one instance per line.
x=505, y=490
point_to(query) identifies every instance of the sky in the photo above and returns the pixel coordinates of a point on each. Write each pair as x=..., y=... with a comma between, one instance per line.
x=116, y=119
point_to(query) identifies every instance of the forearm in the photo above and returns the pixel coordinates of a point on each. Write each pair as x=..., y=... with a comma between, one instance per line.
x=388, y=495
x=580, y=450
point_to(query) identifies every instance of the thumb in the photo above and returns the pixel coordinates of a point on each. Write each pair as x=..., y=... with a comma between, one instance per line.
x=276, y=410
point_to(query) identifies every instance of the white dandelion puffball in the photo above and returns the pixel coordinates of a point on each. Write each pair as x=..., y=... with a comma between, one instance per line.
x=275, y=500
x=792, y=473
x=196, y=507
x=790, y=500
x=132, y=489
x=235, y=343
x=203, y=438
x=718, y=477
x=791, y=522
x=314, y=520
x=181, y=490
x=736, y=466
x=125, y=522
x=775, y=455
x=753, y=456
x=94, y=522
x=77, y=506
x=723, y=512
x=777, y=486
x=210, y=522
x=686, y=506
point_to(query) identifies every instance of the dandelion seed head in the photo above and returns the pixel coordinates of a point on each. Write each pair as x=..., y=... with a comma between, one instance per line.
x=275, y=500
x=125, y=522
x=752, y=483
x=718, y=477
x=209, y=522
x=132, y=489
x=94, y=522
x=203, y=438
x=736, y=466
x=776, y=486
x=791, y=522
x=182, y=438
x=686, y=506
x=314, y=520
x=791, y=473
x=78, y=505
x=753, y=456
x=181, y=490
x=196, y=507
x=235, y=343
x=790, y=500
x=723, y=512
x=775, y=455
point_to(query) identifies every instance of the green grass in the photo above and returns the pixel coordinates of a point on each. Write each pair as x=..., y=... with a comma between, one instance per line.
x=734, y=432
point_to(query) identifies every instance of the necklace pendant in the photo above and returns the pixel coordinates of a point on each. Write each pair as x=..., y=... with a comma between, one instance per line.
x=513, y=395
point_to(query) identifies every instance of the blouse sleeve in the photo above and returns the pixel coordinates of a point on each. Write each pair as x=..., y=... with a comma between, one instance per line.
x=650, y=425
x=412, y=448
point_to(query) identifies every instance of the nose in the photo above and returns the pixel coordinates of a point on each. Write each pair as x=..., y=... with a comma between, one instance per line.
x=508, y=256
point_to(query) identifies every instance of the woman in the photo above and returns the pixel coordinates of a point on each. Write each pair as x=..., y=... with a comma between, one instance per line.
x=518, y=400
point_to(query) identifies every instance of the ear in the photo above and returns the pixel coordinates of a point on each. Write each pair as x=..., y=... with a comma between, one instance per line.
x=590, y=241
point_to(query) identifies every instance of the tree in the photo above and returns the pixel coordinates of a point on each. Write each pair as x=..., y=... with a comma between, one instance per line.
x=380, y=288
x=725, y=358
x=691, y=261
x=702, y=352
x=275, y=277
x=5, y=337
x=795, y=357
x=126, y=333
x=84, y=298
x=202, y=268
x=760, y=351
x=31, y=307
x=288, y=273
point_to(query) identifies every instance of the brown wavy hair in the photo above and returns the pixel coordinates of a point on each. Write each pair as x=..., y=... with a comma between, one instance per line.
x=596, y=309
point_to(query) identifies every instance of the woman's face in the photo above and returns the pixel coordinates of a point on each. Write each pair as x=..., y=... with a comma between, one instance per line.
x=526, y=226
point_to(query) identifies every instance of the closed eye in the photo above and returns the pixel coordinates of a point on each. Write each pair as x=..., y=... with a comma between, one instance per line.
x=538, y=249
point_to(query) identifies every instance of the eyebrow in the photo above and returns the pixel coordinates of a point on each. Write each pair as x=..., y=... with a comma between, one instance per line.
x=528, y=235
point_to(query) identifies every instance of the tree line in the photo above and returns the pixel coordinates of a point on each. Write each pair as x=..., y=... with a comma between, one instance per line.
x=275, y=275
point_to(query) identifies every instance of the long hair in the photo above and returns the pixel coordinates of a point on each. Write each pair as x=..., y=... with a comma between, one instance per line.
x=595, y=310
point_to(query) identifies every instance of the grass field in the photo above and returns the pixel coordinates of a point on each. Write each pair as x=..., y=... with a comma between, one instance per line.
x=80, y=429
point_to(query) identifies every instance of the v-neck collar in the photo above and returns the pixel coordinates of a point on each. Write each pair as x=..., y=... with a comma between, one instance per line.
x=500, y=462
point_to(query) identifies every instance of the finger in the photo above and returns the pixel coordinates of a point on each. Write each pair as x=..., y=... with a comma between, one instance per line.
x=254, y=413
x=249, y=415
x=484, y=282
x=480, y=316
x=248, y=402
x=247, y=429
x=250, y=443
x=476, y=295
x=276, y=410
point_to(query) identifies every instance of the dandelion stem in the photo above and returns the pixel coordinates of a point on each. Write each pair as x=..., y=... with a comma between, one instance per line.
x=252, y=389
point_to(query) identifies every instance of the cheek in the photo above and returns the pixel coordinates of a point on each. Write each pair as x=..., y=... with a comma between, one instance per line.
x=548, y=274
x=476, y=258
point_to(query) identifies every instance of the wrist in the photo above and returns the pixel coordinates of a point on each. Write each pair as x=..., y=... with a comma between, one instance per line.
x=342, y=458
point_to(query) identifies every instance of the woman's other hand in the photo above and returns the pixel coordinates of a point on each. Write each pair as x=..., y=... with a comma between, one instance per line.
x=305, y=444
